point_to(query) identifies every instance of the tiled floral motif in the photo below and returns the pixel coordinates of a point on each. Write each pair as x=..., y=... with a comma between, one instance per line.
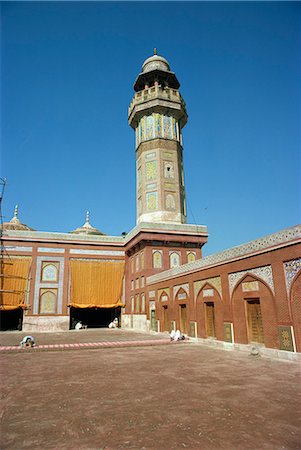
x=151, y=170
x=152, y=201
x=286, y=338
x=170, y=202
x=174, y=259
x=156, y=126
x=214, y=281
x=265, y=273
x=291, y=269
x=157, y=259
x=228, y=335
x=250, y=286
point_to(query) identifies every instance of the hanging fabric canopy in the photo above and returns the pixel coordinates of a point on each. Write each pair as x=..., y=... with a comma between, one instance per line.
x=96, y=284
x=13, y=282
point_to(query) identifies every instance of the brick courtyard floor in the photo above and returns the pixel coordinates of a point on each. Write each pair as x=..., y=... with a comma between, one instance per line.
x=156, y=397
x=83, y=339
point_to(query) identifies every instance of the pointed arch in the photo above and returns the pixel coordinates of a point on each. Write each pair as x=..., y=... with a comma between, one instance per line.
x=255, y=278
x=210, y=312
x=295, y=304
x=254, y=309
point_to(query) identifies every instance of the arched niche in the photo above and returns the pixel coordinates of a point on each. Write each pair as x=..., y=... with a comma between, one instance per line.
x=295, y=300
x=165, y=312
x=157, y=259
x=48, y=301
x=49, y=272
x=210, y=313
x=174, y=260
x=182, y=310
x=254, y=312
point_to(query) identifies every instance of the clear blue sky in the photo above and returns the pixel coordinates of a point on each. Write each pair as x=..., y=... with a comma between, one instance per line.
x=67, y=76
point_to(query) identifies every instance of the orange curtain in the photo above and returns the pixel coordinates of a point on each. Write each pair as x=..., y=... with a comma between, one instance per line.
x=96, y=284
x=13, y=282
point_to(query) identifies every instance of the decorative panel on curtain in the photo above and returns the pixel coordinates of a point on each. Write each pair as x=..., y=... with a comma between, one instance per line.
x=13, y=282
x=96, y=284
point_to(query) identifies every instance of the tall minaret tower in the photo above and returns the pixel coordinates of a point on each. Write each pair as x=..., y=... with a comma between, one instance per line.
x=157, y=113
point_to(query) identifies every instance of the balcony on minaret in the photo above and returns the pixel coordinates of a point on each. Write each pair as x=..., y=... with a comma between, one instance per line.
x=160, y=93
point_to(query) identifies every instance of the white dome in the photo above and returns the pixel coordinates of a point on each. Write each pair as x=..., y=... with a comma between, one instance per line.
x=155, y=62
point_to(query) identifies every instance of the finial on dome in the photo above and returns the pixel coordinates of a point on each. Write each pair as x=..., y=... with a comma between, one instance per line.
x=87, y=217
x=155, y=51
x=16, y=212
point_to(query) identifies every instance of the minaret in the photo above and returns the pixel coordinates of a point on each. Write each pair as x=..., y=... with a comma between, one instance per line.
x=157, y=113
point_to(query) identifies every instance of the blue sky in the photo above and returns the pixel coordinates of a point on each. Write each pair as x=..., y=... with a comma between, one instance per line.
x=67, y=76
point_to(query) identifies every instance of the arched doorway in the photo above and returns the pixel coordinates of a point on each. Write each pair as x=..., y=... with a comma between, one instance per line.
x=295, y=297
x=210, y=313
x=182, y=315
x=254, y=313
x=164, y=312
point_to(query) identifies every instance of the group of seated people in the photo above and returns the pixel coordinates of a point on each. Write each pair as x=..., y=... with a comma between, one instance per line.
x=176, y=335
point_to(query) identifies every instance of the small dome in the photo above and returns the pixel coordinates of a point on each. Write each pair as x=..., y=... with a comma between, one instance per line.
x=87, y=228
x=155, y=62
x=15, y=224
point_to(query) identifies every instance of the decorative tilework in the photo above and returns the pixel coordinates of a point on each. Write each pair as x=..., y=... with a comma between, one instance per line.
x=228, y=335
x=150, y=127
x=97, y=252
x=193, y=329
x=152, y=201
x=174, y=259
x=151, y=186
x=286, y=338
x=152, y=294
x=157, y=259
x=250, y=286
x=208, y=292
x=9, y=248
x=50, y=250
x=185, y=288
x=214, y=281
x=170, y=185
x=165, y=291
x=167, y=127
x=265, y=273
x=150, y=155
x=191, y=257
x=170, y=202
x=291, y=269
x=151, y=170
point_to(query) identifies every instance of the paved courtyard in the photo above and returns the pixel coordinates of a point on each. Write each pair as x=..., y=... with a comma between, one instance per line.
x=156, y=397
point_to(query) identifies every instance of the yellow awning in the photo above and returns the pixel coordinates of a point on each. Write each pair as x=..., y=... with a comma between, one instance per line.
x=13, y=283
x=96, y=284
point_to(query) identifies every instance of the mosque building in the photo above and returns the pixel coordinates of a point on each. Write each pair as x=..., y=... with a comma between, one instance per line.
x=154, y=278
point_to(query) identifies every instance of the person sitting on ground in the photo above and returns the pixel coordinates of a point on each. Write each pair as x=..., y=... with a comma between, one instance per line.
x=113, y=324
x=27, y=341
x=176, y=336
x=79, y=326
